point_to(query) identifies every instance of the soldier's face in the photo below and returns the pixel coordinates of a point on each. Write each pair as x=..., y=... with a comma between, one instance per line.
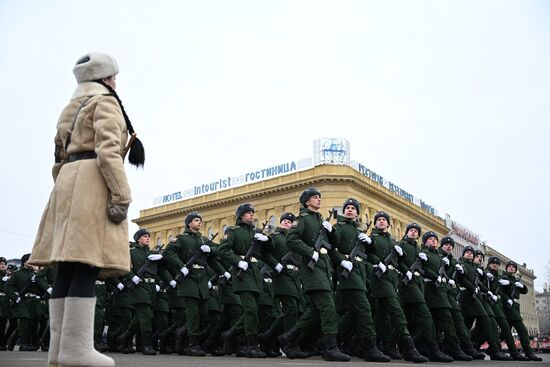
x=478, y=259
x=511, y=269
x=144, y=240
x=248, y=217
x=447, y=248
x=468, y=255
x=195, y=224
x=494, y=266
x=350, y=212
x=382, y=223
x=286, y=224
x=3, y=266
x=431, y=242
x=412, y=234
x=314, y=202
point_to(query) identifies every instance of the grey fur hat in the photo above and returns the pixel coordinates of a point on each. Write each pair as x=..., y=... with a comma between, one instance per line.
x=95, y=66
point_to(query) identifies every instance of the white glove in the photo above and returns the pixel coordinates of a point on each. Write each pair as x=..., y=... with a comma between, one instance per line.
x=184, y=271
x=364, y=238
x=346, y=264
x=227, y=275
x=382, y=267
x=49, y=290
x=398, y=249
x=423, y=256
x=495, y=298
x=154, y=257
x=439, y=279
x=445, y=260
x=327, y=226
x=209, y=285
x=18, y=300
x=260, y=237
x=504, y=282
x=409, y=275
x=452, y=282
x=33, y=279
x=243, y=265
x=490, y=276
x=490, y=294
x=477, y=290
x=120, y=286
x=157, y=287
x=5, y=278
x=459, y=268
x=173, y=283
x=510, y=302
x=519, y=285
x=278, y=267
x=479, y=271
x=205, y=248
x=315, y=256
x=136, y=279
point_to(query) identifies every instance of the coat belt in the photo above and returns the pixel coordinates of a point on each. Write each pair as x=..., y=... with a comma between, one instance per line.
x=82, y=155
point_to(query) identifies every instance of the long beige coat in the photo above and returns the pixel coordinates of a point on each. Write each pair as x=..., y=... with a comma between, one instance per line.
x=74, y=226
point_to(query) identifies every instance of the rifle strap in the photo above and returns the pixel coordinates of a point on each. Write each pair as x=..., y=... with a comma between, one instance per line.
x=70, y=131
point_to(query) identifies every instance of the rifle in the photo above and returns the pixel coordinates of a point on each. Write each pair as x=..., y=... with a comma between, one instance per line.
x=356, y=250
x=442, y=273
x=390, y=259
x=515, y=293
x=415, y=267
x=290, y=257
x=128, y=283
x=24, y=289
x=265, y=272
x=196, y=258
x=477, y=282
x=252, y=250
x=322, y=240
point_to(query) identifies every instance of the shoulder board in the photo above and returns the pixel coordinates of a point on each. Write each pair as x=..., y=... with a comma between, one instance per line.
x=233, y=228
x=304, y=214
x=132, y=248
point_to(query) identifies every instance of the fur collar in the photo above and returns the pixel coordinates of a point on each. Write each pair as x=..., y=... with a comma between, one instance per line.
x=89, y=89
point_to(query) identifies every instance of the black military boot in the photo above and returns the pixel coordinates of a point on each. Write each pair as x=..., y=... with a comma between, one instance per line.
x=122, y=342
x=387, y=346
x=195, y=349
x=25, y=345
x=147, y=345
x=435, y=354
x=11, y=340
x=453, y=349
x=469, y=349
x=371, y=353
x=496, y=354
x=229, y=340
x=99, y=345
x=266, y=345
x=517, y=356
x=253, y=350
x=181, y=341
x=165, y=341
x=289, y=344
x=331, y=350
x=531, y=355
x=406, y=346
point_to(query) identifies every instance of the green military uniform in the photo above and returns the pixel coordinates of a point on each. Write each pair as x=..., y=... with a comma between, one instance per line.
x=234, y=246
x=24, y=290
x=99, y=316
x=193, y=287
x=4, y=310
x=510, y=296
x=411, y=295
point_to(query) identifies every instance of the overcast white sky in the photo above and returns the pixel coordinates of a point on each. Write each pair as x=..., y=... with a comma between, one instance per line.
x=448, y=100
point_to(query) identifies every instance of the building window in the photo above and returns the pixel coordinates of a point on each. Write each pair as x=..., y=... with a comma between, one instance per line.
x=224, y=228
x=210, y=233
x=256, y=223
x=272, y=223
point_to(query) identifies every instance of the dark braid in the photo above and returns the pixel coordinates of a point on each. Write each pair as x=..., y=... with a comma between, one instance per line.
x=137, y=152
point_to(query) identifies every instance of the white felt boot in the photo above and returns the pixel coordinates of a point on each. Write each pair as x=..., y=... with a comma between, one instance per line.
x=77, y=335
x=57, y=305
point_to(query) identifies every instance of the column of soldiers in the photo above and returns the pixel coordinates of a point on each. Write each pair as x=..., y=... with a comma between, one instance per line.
x=309, y=287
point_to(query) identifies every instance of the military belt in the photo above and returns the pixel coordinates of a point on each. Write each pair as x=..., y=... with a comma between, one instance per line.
x=426, y=280
x=149, y=280
x=197, y=266
x=292, y=267
x=390, y=266
x=2, y=294
x=99, y=282
x=82, y=155
x=215, y=287
x=323, y=251
x=31, y=295
x=357, y=258
x=417, y=274
x=252, y=259
x=267, y=280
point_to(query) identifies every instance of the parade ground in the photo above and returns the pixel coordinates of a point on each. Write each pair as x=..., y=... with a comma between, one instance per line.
x=39, y=359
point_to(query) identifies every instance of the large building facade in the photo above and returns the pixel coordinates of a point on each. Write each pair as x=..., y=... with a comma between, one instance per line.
x=337, y=177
